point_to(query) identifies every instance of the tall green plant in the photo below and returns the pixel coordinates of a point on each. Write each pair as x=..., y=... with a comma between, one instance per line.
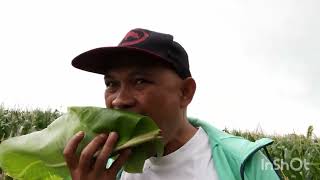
x=16, y=122
x=296, y=156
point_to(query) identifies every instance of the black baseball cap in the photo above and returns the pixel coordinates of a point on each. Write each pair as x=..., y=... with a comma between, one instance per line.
x=137, y=43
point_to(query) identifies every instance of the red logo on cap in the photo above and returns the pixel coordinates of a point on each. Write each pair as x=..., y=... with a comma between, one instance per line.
x=134, y=37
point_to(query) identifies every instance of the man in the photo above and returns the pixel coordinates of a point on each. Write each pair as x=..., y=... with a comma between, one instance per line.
x=148, y=73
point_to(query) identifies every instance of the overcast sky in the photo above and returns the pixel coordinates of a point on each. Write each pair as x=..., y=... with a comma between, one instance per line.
x=256, y=62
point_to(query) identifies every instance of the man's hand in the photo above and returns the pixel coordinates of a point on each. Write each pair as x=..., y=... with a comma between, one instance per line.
x=88, y=167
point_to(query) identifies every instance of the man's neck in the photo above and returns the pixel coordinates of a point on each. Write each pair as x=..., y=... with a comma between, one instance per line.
x=183, y=135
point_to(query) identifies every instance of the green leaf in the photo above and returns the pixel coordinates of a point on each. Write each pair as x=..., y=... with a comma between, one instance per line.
x=39, y=155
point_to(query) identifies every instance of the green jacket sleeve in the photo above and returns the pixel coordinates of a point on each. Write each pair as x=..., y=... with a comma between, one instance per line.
x=259, y=167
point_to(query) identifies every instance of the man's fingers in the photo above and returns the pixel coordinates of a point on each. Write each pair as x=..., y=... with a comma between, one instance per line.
x=123, y=157
x=107, y=149
x=88, y=152
x=70, y=150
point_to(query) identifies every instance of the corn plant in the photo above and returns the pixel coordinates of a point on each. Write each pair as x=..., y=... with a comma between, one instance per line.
x=15, y=122
x=295, y=156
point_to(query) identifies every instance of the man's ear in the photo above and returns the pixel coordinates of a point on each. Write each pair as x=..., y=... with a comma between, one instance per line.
x=187, y=91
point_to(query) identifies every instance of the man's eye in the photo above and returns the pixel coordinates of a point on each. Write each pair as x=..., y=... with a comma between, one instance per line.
x=141, y=81
x=109, y=84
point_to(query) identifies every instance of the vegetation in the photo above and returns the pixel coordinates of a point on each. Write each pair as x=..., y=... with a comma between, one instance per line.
x=296, y=156
x=15, y=122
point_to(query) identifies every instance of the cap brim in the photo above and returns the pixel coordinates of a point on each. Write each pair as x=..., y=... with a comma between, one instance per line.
x=99, y=60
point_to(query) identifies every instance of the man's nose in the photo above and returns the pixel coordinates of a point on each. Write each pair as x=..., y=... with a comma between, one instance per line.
x=124, y=99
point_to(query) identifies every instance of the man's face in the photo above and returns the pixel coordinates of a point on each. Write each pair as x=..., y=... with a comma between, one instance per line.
x=154, y=91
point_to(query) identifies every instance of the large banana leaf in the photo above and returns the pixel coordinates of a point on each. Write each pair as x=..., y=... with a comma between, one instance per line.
x=39, y=155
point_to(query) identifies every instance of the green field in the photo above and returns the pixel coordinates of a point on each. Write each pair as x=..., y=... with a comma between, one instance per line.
x=296, y=156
